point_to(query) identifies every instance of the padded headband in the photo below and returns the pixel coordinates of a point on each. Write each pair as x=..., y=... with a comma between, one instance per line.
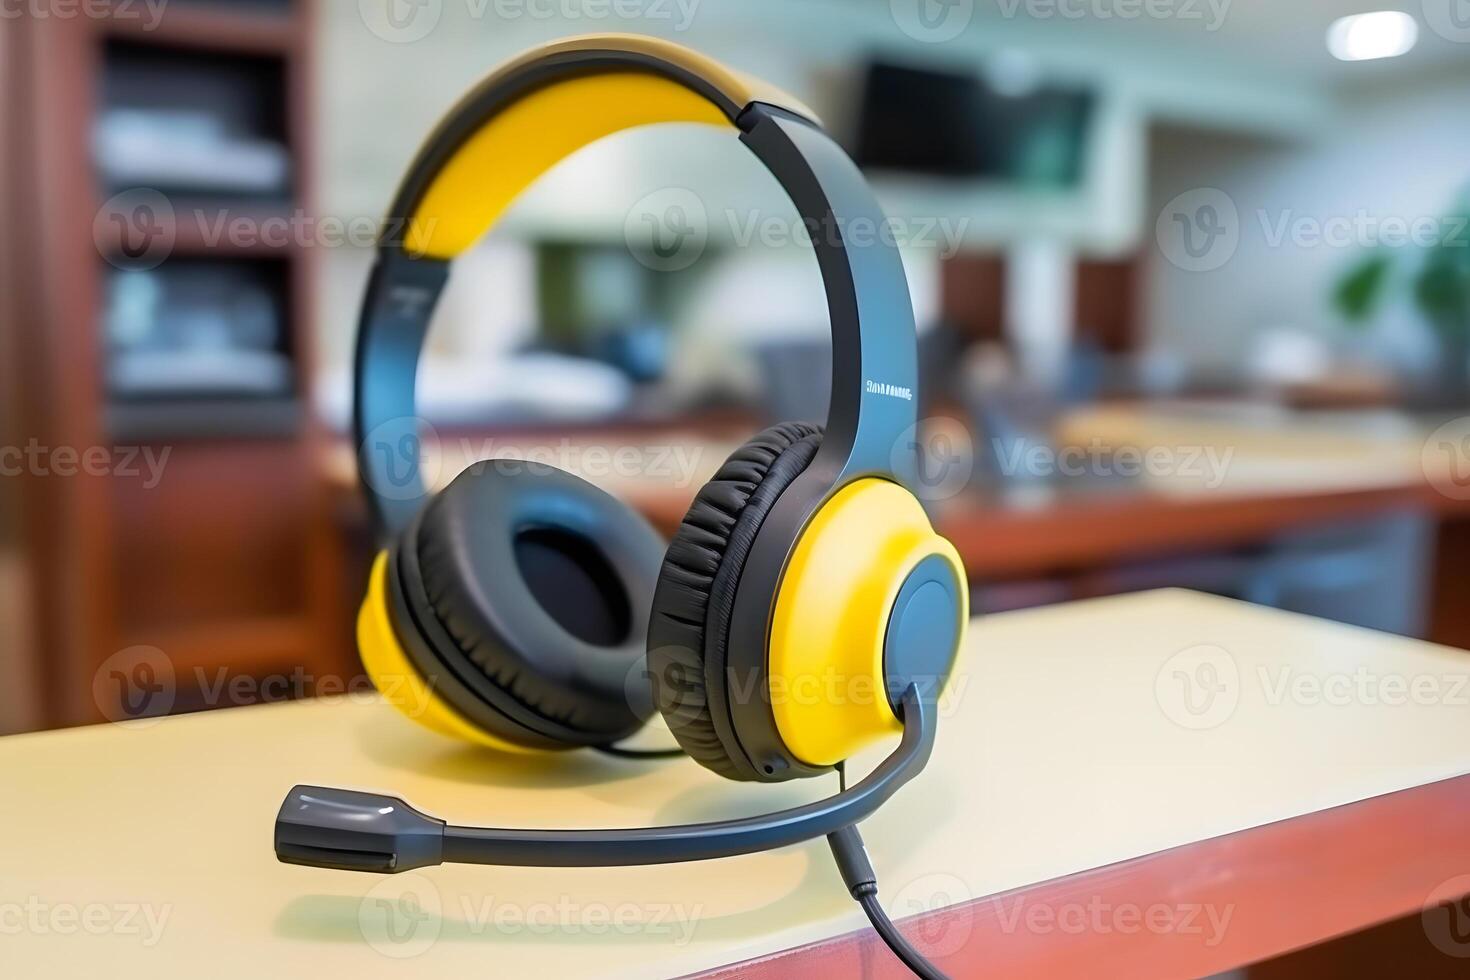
x=531, y=113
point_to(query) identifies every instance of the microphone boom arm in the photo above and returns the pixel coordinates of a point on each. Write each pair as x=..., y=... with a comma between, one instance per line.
x=347, y=830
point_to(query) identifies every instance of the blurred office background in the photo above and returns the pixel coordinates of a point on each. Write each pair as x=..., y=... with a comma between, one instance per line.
x=1192, y=283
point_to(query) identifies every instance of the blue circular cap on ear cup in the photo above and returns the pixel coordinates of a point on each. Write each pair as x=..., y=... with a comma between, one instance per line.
x=923, y=633
x=540, y=585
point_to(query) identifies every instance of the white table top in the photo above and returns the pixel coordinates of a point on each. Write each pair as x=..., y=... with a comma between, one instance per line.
x=1076, y=736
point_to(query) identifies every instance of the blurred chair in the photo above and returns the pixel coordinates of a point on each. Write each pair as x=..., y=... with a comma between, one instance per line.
x=998, y=597
x=1015, y=419
x=1372, y=573
x=1012, y=421
x=1223, y=574
x=941, y=354
x=796, y=373
x=797, y=376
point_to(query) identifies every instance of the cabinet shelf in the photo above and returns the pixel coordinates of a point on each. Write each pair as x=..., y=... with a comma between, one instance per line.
x=208, y=27
x=208, y=228
x=157, y=419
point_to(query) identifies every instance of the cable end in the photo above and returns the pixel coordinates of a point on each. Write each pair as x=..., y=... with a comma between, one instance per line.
x=853, y=863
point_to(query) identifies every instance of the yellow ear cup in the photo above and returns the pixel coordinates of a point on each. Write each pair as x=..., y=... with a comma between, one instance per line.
x=398, y=680
x=825, y=666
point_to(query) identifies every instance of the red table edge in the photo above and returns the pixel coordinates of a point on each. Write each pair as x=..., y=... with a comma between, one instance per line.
x=1270, y=889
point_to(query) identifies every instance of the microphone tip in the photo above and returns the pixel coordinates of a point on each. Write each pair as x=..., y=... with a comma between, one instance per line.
x=322, y=827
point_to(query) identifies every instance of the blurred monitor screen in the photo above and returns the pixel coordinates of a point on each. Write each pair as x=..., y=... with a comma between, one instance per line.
x=959, y=125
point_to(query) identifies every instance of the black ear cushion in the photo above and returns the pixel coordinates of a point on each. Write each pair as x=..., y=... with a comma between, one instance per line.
x=541, y=582
x=688, y=627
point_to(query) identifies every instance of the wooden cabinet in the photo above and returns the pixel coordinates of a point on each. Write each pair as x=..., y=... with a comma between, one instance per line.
x=200, y=531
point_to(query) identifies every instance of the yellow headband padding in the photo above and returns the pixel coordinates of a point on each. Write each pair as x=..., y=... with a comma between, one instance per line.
x=532, y=135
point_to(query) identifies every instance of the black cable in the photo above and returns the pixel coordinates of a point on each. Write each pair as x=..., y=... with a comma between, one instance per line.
x=621, y=753
x=895, y=940
x=852, y=861
x=862, y=882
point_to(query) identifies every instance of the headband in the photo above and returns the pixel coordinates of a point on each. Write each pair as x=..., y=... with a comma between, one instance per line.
x=534, y=111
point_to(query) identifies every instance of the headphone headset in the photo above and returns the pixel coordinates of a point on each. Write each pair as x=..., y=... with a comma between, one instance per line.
x=512, y=608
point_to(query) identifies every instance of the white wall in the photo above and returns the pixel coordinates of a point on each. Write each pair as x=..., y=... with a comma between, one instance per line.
x=378, y=99
x=1395, y=156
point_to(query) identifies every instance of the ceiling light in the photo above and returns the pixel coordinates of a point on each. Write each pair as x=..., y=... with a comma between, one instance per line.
x=1381, y=34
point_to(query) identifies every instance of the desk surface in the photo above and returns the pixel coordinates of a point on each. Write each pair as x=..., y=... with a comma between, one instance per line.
x=1075, y=738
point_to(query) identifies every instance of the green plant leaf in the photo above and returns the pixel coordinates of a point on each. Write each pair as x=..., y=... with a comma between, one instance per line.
x=1360, y=292
x=1442, y=289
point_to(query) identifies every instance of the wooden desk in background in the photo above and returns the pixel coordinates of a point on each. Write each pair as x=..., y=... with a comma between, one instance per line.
x=1119, y=787
x=1273, y=474
x=1277, y=476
